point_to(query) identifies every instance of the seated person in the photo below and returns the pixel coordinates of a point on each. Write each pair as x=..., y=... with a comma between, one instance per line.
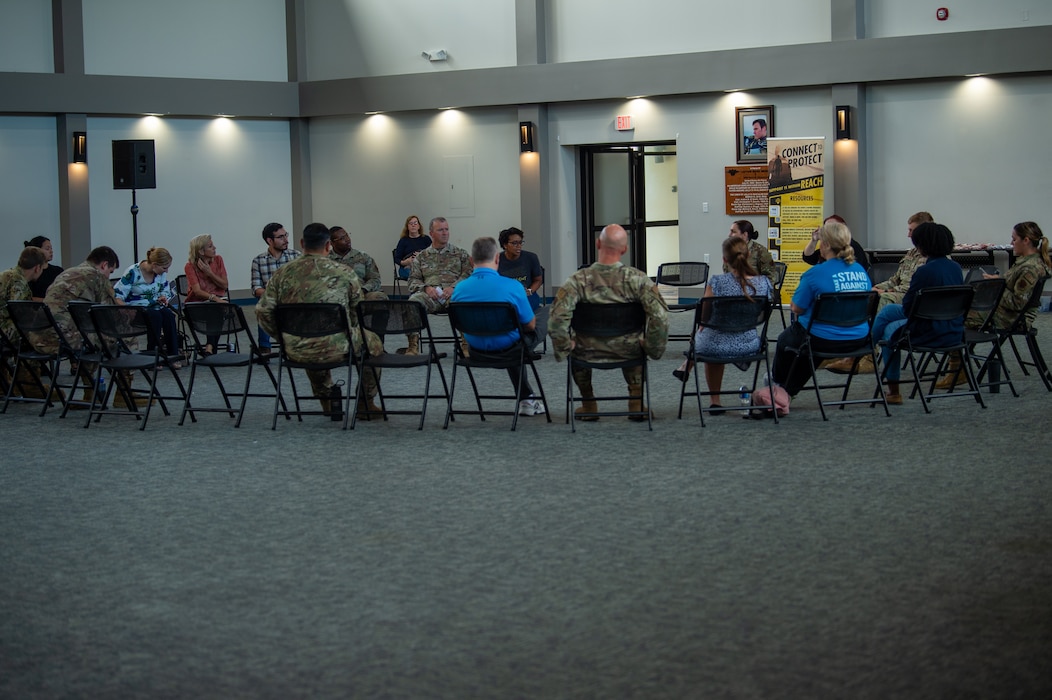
x=146, y=284
x=486, y=284
x=742, y=280
x=839, y=272
x=15, y=286
x=207, y=279
x=759, y=257
x=40, y=284
x=609, y=281
x=362, y=263
x=934, y=242
x=812, y=256
x=436, y=272
x=313, y=278
x=521, y=265
x=410, y=243
x=893, y=289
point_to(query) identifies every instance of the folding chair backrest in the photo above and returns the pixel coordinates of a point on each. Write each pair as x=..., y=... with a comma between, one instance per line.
x=683, y=274
x=182, y=287
x=735, y=314
x=844, y=309
x=483, y=318
x=80, y=312
x=942, y=303
x=205, y=318
x=34, y=322
x=121, y=323
x=608, y=320
x=311, y=320
x=882, y=271
x=1020, y=324
x=392, y=316
x=780, y=269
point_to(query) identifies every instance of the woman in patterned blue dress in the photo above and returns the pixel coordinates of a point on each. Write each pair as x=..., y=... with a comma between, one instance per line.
x=742, y=280
x=146, y=284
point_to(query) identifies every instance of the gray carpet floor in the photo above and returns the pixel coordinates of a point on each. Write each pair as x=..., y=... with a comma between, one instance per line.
x=863, y=557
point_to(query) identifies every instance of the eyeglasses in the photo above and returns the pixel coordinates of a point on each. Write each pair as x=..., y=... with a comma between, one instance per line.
x=515, y=243
x=283, y=237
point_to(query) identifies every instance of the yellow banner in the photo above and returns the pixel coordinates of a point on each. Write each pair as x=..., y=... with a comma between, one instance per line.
x=795, y=194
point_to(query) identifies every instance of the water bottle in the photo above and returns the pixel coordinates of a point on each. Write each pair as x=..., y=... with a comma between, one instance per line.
x=746, y=400
x=102, y=386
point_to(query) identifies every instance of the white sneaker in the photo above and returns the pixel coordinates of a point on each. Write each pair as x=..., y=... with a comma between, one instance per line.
x=530, y=407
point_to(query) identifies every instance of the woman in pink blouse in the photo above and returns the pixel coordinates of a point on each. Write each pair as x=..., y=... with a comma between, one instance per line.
x=206, y=277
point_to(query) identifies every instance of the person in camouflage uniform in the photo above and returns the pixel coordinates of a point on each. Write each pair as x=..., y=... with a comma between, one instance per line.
x=893, y=289
x=435, y=272
x=14, y=285
x=1032, y=264
x=362, y=263
x=88, y=281
x=759, y=257
x=314, y=278
x=608, y=281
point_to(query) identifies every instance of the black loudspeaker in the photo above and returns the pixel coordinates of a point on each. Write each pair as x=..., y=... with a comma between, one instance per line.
x=133, y=165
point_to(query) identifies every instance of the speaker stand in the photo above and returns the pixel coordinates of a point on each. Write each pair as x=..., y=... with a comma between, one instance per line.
x=135, y=227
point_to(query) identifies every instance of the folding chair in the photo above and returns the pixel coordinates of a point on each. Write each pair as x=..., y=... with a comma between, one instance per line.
x=80, y=312
x=847, y=310
x=936, y=304
x=1020, y=328
x=491, y=319
x=119, y=328
x=882, y=271
x=608, y=321
x=986, y=298
x=397, y=280
x=737, y=314
x=206, y=319
x=314, y=321
x=682, y=274
x=399, y=317
x=36, y=326
x=780, y=268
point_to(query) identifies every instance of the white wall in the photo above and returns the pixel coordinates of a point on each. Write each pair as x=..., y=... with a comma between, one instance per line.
x=29, y=195
x=232, y=39
x=908, y=17
x=586, y=31
x=225, y=177
x=704, y=131
x=370, y=173
x=26, y=39
x=972, y=152
x=360, y=38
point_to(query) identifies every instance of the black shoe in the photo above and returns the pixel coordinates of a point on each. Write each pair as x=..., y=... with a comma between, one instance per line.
x=681, y=374
x=716, y=409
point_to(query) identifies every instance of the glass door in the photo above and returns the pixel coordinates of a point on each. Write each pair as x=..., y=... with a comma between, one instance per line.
x=636, y=186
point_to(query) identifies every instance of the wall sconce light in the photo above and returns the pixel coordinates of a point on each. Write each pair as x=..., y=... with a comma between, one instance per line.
x=526, y=144
x=843, y=122
x=80, y=147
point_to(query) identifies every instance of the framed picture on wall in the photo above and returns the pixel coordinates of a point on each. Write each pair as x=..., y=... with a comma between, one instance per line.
x=752, y=127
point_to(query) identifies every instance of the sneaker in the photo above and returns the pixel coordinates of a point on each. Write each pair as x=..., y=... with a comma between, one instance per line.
x=531, y=407
x=766, y=379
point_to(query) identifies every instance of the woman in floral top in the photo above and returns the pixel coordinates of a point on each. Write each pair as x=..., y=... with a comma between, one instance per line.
x=146, y=284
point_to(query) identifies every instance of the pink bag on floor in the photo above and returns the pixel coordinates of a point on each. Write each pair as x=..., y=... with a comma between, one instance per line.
x=769, y=399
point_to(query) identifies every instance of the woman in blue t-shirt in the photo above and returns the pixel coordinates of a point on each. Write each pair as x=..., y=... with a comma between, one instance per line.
x=838, y=273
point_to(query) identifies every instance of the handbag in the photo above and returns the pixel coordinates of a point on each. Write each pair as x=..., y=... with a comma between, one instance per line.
x=769, y=399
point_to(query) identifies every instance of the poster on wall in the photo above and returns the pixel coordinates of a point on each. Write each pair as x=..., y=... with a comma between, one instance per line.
x=746, y=189
x=795, y=194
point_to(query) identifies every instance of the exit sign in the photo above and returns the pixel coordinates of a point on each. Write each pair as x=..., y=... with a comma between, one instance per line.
x=624, y=122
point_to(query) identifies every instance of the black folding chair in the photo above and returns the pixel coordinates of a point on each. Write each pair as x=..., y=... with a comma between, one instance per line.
x=397, y=281
x=847, y=310
x=204, y=319
x=682, y=274
x=986, y=298
x=399, y=317
x=608, y=321
x=1021, y=328
x=780, y=268
x=33, y=353
x=119, y=329
x=312, y=321
x=488, y=319
x=737, y=314
x=882, y=271
x=936, y=304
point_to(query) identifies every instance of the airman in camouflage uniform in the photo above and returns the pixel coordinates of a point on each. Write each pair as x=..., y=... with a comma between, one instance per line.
x=893, y=289
x=314, y=278
x=362, y=263
x=435, y=272
x=88, y=281
x=759, y=257
x=14, y=285
x=608, y=281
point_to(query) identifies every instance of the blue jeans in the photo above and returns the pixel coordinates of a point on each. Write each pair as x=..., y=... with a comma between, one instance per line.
x=264, y=338
x=891, y=318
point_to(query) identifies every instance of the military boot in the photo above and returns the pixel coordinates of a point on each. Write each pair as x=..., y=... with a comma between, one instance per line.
x=588, y=403
x=953, y=373
x=634, y=378
x=367, y=408
x=414, y=344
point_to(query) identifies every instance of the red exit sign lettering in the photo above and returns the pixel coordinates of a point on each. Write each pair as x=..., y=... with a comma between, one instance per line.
x=624, y=122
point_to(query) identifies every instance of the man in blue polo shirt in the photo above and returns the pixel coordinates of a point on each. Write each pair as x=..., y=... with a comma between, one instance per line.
x=486, y=284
